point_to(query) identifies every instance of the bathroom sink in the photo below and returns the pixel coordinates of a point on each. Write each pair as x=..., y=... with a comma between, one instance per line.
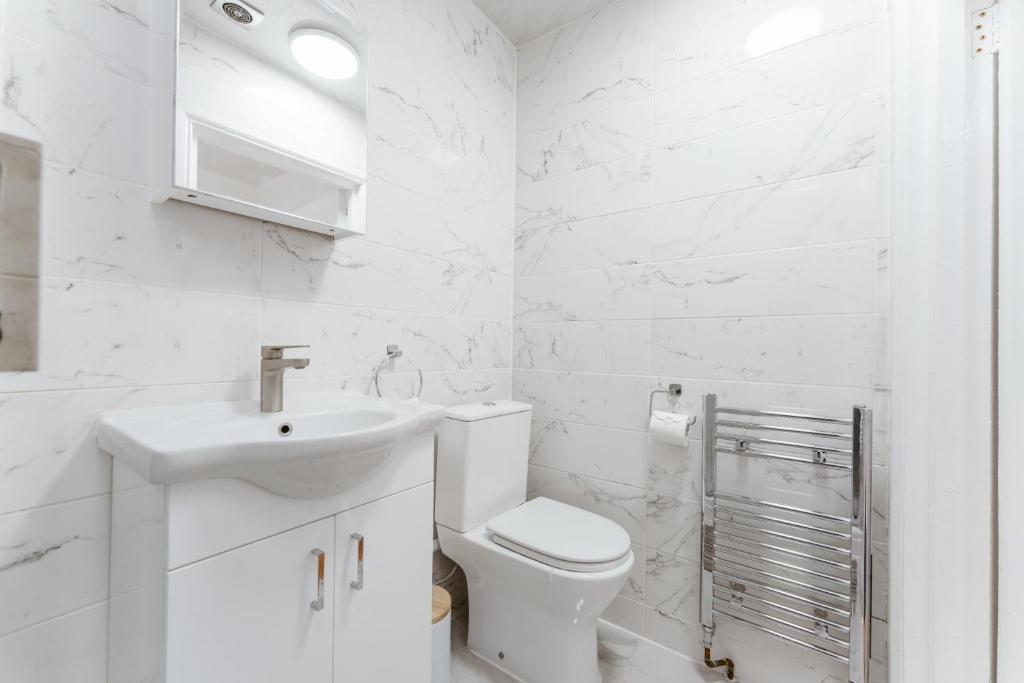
x=319, y=445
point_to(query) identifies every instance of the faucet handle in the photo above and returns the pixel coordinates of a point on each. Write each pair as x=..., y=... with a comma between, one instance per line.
x=275, y=351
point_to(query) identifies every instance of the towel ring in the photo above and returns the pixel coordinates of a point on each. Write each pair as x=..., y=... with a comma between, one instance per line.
x=393, y=352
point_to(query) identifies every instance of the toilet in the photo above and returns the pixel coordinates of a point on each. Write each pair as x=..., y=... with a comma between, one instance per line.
x=539, y=572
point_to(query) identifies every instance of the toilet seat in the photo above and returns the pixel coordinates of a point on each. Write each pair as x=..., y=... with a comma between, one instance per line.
x=561, y=536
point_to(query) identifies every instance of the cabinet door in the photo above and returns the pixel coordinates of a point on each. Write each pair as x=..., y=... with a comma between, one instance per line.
x=382, y=631
x=246, y=616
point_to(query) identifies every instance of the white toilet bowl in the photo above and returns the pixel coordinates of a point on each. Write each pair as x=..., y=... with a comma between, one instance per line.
x=535, y=621
x=540, y=572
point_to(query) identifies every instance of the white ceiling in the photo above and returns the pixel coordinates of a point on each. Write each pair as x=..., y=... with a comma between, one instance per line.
x=523, y=20
x=268, y=40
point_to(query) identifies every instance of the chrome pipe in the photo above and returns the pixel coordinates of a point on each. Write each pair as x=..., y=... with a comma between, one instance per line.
x=774, y=605
x=789, y=430
x=787, y=444
x=785, y=537
x=728, y=538
x=860, y=546
x=783, y=414
x=708, y=520
x=784, y=522
x=785, y=565
x=751, y=453
x=842, y=597
x=744, y=500
x=838, y=642
x=756, y=585
x=796, y=641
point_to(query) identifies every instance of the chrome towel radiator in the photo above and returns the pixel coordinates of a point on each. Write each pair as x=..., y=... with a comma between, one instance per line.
x=794, y=573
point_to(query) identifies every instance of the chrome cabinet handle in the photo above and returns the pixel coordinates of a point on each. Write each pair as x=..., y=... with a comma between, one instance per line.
x=358, y=583
x=318, y=604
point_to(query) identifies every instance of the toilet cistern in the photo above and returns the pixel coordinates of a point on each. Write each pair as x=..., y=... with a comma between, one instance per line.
x=272, y=367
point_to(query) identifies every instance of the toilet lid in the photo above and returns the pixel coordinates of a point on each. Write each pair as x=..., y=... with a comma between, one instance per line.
x=549, y=529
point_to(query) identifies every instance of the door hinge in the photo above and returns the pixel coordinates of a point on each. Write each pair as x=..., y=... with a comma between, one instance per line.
x=985, y=31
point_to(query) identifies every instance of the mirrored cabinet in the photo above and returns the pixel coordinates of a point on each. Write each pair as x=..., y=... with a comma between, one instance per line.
x=263, y=112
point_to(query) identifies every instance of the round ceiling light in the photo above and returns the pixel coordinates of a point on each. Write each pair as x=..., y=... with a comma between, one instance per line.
x=324, y=53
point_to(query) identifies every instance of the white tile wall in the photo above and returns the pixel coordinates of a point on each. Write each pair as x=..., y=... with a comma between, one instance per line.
x=701, y=198
x=153, y=304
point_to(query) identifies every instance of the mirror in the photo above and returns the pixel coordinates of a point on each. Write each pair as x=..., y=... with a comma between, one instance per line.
x=270, y=111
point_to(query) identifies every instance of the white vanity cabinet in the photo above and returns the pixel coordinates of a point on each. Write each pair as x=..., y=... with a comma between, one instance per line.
x=382, y=631
x=246, y=615
x=217, y=580
x=253, y=614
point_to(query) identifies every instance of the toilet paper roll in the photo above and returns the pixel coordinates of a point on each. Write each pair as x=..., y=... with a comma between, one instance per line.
x=673, y=428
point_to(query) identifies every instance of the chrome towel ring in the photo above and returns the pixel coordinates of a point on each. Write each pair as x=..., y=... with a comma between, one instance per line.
x=393, y=352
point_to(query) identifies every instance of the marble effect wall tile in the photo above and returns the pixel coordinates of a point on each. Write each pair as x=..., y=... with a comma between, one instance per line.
x=603, y=242
x=619, y=346
x=813, y=280
x=827, y=139
x=625, y=613
x=838, y=207
x=598, y=138
x=602, y=60
x=346, y=340
x=72, y=648
x=618, y=401
x=84, y=115
x=360, y=273
x=673, y=526
x=109, y=34
x=103, y=228
x=607, y=294
x=674, y=471
x=799, y=350
x=96, y=334
x=472, y=386
x=624, y=657
x=615, y=455
x=53, y=560
x=697, y=38
x=828, y=68
x=635, y=586
x=596, y=191
x=673, y=586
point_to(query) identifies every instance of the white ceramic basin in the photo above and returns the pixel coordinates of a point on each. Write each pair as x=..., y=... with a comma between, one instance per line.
x=319, y=445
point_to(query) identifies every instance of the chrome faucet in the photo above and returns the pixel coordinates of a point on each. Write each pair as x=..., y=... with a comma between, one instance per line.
x=272, y=367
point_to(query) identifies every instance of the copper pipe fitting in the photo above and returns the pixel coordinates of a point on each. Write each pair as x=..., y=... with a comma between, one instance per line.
x=730, y=668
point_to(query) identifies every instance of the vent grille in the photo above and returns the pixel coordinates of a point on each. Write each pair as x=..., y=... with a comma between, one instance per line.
x=237, y=13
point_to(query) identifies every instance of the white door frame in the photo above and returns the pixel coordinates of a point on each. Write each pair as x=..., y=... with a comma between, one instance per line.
x=941, y=531
x=1010, y=609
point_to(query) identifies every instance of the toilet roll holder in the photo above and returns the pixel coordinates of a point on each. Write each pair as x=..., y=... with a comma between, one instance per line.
x=673, y=390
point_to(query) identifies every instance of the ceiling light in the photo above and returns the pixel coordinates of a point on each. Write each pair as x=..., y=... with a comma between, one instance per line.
x=324, y=54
